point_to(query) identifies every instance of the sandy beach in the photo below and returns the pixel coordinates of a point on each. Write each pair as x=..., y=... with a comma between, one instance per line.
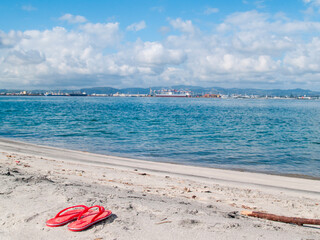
x=149, y=200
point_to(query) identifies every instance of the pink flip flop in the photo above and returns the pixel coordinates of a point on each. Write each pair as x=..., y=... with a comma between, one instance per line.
x=65, y=216
x=86, y=220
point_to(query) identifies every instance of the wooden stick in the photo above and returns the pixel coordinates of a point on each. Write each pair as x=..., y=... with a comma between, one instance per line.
x=273, y=217
x=163, y=222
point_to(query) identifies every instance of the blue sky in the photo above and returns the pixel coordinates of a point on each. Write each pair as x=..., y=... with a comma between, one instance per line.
x=45, y=14
x=71, y=44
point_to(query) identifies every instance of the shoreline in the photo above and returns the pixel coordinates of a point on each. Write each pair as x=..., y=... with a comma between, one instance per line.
x=106, y=156
x=197, y=172
x=149, y=200
x=192, y=97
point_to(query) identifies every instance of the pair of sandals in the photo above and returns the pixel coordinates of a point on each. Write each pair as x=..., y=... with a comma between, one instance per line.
x=84, y=216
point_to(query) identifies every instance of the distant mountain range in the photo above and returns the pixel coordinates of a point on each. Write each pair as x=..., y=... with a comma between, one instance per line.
x=195, y=89
x=203, y=90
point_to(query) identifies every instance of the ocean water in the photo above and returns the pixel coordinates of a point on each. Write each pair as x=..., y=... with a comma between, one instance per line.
x=273, y=136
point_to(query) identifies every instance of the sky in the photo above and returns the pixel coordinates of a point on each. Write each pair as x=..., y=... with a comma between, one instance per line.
x=72, y=44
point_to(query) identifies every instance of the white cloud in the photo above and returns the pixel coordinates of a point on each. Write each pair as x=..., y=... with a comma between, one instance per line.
x=44, y=57
x=11, y=39
x=312, y=7
x=102, y=35
x=25, y=57
x=155, y=53
x=72, y=18
x=260, y=4
x=210, y=11
x=183, y=26
x=313, y=2
x=28, y=8
x=164, y=29
x=246, y=49
x=137, y=26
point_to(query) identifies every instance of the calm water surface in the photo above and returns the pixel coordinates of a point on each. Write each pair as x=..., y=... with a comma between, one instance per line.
x=276, y=136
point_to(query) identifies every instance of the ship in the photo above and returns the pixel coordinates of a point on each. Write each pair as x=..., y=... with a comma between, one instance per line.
x=173, y=93
x=78, y=94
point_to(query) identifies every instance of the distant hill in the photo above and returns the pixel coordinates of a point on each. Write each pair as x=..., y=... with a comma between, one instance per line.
x=100, y=90
x=109, y=90
x=271, y=92
x=195, y=89
x=135, y=90
x=204, y=90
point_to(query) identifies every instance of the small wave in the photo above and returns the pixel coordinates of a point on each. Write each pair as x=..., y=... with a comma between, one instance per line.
x=71, y=135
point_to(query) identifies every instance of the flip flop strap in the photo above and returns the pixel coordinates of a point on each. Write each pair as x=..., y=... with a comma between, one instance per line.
x=78, y=206
x=101, y=210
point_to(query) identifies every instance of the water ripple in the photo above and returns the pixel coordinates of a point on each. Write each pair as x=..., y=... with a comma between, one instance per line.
x=263, y=135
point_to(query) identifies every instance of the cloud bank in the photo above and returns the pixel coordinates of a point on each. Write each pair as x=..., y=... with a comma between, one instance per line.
x=246, y=49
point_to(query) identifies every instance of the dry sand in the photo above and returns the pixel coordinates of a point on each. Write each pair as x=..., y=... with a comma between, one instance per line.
x=149, y=200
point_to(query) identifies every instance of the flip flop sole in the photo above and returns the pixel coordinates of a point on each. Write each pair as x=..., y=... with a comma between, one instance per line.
x=90, y=224
x=60, y=224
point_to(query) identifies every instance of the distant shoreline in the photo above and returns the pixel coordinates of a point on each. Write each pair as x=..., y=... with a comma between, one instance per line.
x=194, y=91
x=192, y=97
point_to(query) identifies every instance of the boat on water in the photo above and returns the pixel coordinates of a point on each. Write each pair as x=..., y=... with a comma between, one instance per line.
x=173, y=93
x=78, y=94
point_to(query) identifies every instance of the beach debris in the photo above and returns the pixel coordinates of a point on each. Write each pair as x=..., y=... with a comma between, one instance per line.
x=187, y=189
x=168, y=221
x=24, y=179
x=126, y=183
x=137, y=197
x=6, y=193
x=194, y=197
x=192, y=212
x=130, y=207
x=144, y=174
x=14, y=170
x=247, y=207
x=277, y=218
x=234, y=214
x=189, y=222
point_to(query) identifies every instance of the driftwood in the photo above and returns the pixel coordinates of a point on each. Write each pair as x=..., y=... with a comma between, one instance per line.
x=273, y=217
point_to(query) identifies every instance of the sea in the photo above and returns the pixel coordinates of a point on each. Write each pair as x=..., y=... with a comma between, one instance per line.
x=276, y=136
